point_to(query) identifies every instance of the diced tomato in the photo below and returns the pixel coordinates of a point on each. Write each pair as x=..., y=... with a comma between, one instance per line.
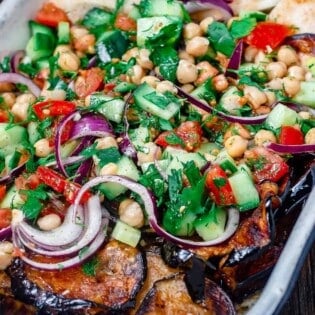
x=60, y=184
x=266, y=165
x=290, y=135
x=3, y=189
x=161, y=140
x=53, y=108
x=219, y=186
x=125, y=23
x=50, y=209
x=65, y=135
x=4, y=116
x=51, y=15
x=5, y=218
x=268, y=34
x=108, y=87
x=88, y=82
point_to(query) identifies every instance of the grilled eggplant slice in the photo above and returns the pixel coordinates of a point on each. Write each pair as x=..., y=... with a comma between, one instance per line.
x=170, y=296
x=119, y=274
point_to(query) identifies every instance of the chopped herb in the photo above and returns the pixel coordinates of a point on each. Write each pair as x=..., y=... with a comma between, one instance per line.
x=165, y=124
x=219, y=182
x=159, y=100
x=192, y=173
x=256, y=164
x=89, y=267
x=5, y=64
x=174, y=139
x=28, y=69
x=241, y=28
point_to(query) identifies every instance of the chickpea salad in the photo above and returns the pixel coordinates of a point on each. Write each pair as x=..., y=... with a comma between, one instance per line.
x=173, y=118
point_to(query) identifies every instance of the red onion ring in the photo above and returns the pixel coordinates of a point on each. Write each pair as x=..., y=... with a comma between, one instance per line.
x=16, y=60
x=293, y=149
x=5, y=233
x=15, y=172
x=235, y=60
x=151, y=210
x=20, y=79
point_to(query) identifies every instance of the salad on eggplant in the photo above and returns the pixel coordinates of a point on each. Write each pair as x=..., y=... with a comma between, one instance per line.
x=154, y=154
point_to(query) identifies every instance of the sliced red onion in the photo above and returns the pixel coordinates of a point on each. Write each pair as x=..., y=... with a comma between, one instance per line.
x=5, y=233
x=70, y=230
x=16, y=60
x=20, y=79
x=304, y=42
x=293, y=149
x=202, y=5
x=15, y=172
x=92, y=62
x=235, y=60
x=152, y=212
x=77, y=260
x=82, y=172
x=67, y=161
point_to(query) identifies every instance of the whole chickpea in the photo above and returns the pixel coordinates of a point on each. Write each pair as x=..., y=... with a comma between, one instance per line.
x=250, y=53
x=205, y=71
x=166, y=86
x=220, y=83
x=204, y=24
x=21, y=106
x=237, y=129
x=6, y=251
x=57, y=94
x=297, y=72
x=42, y=148
x=186, y=72
x=188, y=87
x=151, y=80
x=197, y=46
x=271, y=97
x=150, y=153
x=191, y=30
x=275, y=84
x=69, y=61
x=144, y=59
x=8, y=98
x=261, y=58
x=109, y=169
x=264, y=136
x=291, y=86
x=276, y=69
x=287, y=55
x=135, y=74
x=105, y=143
x=131, y=53
x=49, y=222
x=310, y=136
x=184, y=55
x=304, y=115
x=131, y=213
x=60, y=49
x=236, y=146
x=255, y=96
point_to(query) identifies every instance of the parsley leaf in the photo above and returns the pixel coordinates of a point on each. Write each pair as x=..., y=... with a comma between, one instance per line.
x=89, y=267
x=159, y=100
x=174, y=139
x=5, y=64
x=241, y=28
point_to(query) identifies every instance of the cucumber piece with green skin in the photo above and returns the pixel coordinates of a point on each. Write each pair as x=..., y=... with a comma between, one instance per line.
x=163, y=164
x=63, y=32
x=127, y=168
x=244, y=190
x=306, y=95
x=33, y=134
x=11, y=135
x=150, y=8
x=167, y=112
x=211, y=225
x=229, y=100
x=139, y=136
x=204, y=91
x=12, y=199
x=125, y=233
x=226, y=162
x=209, y=148
x=97, y=17
x=281, y=115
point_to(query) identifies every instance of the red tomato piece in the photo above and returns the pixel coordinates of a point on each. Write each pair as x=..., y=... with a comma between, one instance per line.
x=53, y=108
x=51, y=15
x=3, y=189
x=125, y=23
x=65, y=135
x=5, y=218
x=290, y=135
x=219, y=186
x=4, y=116
x=191, y=133
x=268, y=34
x=88, y=81
x=161, y=140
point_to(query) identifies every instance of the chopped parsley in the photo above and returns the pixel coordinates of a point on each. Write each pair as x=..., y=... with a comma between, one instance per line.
x=89, y=267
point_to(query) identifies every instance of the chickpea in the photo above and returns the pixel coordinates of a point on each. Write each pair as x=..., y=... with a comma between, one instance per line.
x=255, y=96
x=184, y=55
x=131, y=213
x=135, y=74
x=188, y=87
x=42, y=148
x=271, y=97
x=220, y=83
x=262, y=110
x=105, y=143
x=205, y=71
x=6, y=87
x=291, y=86
x=276, y=69
x=197, y=46
x=250, y=53
x=204, y=24
x=8, y=98
x=236, y=146
x=264, y=136
x=144, y=59
x=49, y=222
x=131, y=53
x=297, y=72
x=287, y=55
x=6, y=250
x=59, y=94
x=21, y=106
x=166, y=86
x=275, y=84
x=261, y=58
x=151, y=80
x=310, y=136
x=69, y=61
x=85, y=44
x=109, y=169
x=60, y=49
x=149, y=153
x=304, y=115
x=186, y=72
x=237, y=129
x=191, y=30
x=78, y=31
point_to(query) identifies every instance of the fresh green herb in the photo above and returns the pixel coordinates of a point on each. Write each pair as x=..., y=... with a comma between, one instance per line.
x=159, y=100
x=256, y=164
x=174, y=139
x=307, y=124
x=5, y=64
x=192, y=173
x=219, y=182
x=89, y=267
x=14, y=161
x=175, y=184
x=164, y=124
x=114, y=70
x=241, y=28
x=21, y=87
x=28, y=69
x=2, y=164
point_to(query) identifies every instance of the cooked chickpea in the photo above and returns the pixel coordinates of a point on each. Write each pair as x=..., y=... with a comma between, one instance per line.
x=287, y=55
x=150, y=152
x=135, y=74
x=204, y=24
x=304, y=115
x=57, y=94
x=8, y=98
x=186, y=72
x=144, y=59
x=191, y=30
x=105, y=143
x=220, y=83
x=237, y=129
x=310, y=136
x=188, y=87
x=21, y=106
x=184, y=55
x=131, y=53
x=69, y=61
x=205, y=71
x=275, y=84
x=250, y=53
x=197, y=46
x=291, y=86
x=166, y=86
x=131, y=213
x=276, y=69
x=85, y=44
x=151, y=80
x=60, y=49
x=109, y=169
x=255, y=96
x=236, y=146
x=271, y=97
x=261, y=58
x=6, y=250
x=77, y=31
x=49, y=222
x=262, y=110
x=264, y=136
x=42, y=148
x=297, y=72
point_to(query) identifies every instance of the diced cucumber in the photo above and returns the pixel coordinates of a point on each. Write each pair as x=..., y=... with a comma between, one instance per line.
x=11, y=135
x=140, y=136
x=63, y=32
x=148, y=29
x=125, y=233
x=281, y=115
x=229, y=100
x=124, y=87
x=165, y=112
x=306, y=95
x=244, y=190
x=32, y=130
x=243, y=167
x=35, y=53
x=209, y=148
x=42, y=63
x=163, y=164
x=226, y=162
x=310, y=63
x=204, y=92
x=149, y=8
x=184, y=226
x=127, y=168
x=111, y=108
x=97, y=17
x=12, y=199
x=211, y=225
x=12, y=160
x=67, y=148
